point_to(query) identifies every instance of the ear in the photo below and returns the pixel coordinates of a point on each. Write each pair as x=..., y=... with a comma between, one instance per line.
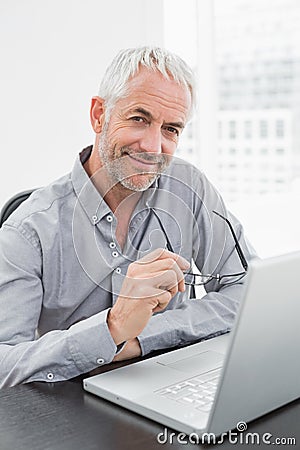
x=97, y=114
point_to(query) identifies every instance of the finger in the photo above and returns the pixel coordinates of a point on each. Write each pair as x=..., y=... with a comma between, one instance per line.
x=181, y=285
x=155, y=267
x=167, y=280
x=135, y=287
x=171, y=264
x=162, y=253
x=160, y=281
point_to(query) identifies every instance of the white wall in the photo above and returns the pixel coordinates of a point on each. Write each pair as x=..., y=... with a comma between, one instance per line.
x=53, y=54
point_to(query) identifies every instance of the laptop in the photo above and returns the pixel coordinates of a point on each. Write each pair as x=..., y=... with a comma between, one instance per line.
x=211, y=386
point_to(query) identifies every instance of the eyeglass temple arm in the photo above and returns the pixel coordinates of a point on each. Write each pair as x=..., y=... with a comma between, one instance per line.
x=169, y=245
x=237, y=245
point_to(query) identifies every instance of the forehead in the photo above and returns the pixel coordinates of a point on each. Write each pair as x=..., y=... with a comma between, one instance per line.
x=151, y=90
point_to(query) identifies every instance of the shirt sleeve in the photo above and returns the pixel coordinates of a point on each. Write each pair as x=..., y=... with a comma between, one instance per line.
x=213, y=251
x=194, y=319
x=58, y=354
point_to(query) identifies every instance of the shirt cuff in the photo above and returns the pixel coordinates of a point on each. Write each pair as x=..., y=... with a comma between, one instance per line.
x=157, y=334
x=91, y=343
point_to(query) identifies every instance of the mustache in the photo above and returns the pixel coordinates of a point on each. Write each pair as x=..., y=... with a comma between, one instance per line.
x=146, y=156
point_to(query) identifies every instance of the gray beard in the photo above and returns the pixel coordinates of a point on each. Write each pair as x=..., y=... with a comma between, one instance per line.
x=121, y=171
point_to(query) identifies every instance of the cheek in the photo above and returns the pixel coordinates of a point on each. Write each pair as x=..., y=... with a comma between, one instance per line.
x=123, y=136
x=169, y=147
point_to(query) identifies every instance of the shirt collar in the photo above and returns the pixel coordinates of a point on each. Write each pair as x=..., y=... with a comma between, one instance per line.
x=88, y=196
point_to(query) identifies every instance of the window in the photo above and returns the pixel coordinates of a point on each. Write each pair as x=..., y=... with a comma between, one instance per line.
x=279, y=128
x=220, y=129
x=232, y=129
x=263, y=128
x=247, y=52
x=248, y=129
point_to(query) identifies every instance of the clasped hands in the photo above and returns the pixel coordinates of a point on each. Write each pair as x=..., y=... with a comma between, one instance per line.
x=150, y=283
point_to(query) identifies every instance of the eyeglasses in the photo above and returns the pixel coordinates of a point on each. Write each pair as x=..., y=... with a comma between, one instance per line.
x=198, y=279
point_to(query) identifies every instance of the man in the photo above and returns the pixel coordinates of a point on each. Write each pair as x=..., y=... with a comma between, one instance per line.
x=95, y=266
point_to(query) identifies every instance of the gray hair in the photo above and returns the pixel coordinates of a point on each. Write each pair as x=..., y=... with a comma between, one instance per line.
x=127, y=63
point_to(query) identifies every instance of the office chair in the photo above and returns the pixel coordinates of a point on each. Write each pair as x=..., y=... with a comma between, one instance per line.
x=13, y=204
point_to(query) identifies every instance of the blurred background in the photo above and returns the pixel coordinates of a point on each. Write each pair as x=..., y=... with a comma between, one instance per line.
x=245, y=133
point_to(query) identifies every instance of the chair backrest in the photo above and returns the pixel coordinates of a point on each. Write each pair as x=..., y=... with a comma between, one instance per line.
x=13, y=204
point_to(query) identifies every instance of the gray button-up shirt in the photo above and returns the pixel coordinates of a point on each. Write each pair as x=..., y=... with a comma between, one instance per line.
x=61, y=270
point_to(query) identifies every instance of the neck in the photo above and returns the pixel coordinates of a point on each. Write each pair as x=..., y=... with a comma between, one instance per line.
x=120, y=199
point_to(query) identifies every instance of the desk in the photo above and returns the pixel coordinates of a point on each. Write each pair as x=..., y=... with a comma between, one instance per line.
x=62, y=416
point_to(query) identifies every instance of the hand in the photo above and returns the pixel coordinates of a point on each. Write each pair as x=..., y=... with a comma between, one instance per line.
x=132, y=349
x=149, y=285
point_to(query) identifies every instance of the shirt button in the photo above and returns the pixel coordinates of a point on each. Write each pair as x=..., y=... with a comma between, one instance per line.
x=109, y=218
x=118, y=270
x=112, y=245
x=115, y=254
x=100, y=361
x=95, y=218
x=50, y=376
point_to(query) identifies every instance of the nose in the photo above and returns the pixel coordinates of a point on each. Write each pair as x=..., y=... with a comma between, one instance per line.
x=151, y=140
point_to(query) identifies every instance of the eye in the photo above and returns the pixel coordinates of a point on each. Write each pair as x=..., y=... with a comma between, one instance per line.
x=172, y=130
x=137, y=119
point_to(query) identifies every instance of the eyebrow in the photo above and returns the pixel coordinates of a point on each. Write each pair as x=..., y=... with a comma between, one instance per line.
x=149, y=116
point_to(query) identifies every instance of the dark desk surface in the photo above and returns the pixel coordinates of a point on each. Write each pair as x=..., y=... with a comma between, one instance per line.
x=63, y=416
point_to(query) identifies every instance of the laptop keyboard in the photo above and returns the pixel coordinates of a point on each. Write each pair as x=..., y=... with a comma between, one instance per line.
x=197, y=391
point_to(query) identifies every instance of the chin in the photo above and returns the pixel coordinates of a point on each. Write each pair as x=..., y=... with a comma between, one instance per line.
x=139, y=183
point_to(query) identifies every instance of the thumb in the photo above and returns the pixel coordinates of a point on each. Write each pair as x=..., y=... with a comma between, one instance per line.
x=163, y=299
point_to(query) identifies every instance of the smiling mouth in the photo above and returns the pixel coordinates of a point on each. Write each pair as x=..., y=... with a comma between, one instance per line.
x=143, y=161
